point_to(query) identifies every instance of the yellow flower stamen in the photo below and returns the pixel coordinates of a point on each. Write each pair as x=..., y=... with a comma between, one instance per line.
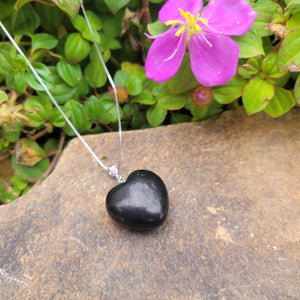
x=180, y=31
x=190, y=25
x=204, y=21
x=198, y=27
x=174, y=22
x=184, y=14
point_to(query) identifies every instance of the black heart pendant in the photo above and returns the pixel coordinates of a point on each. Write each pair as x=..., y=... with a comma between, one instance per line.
x=141, y=202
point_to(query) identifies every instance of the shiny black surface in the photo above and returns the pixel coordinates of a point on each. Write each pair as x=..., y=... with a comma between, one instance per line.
x=141, y=202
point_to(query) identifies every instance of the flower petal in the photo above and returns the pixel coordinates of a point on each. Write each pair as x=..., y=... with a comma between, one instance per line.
x=214, y=58
x=165, y=56
x=170, y=10
x=230, y=17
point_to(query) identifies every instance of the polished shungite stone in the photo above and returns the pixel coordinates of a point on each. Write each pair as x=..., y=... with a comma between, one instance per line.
x=141, y=202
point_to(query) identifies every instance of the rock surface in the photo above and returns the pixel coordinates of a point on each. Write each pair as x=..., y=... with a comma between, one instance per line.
x=233, y=230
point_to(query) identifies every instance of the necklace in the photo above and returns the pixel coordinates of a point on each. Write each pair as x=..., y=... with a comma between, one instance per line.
x=141, y=201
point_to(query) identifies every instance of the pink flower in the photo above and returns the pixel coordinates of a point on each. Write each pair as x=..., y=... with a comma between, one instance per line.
x=213, y=55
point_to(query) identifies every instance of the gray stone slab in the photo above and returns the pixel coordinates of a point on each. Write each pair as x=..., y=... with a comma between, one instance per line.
x=233, y=230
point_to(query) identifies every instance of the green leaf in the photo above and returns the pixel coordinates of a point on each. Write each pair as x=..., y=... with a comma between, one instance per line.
x=20, y=3
x=3, y=96
x=281, y=103
x=20, y=63
x=197, y=112
x=155, y=1
x=76, y=48
x=81, y=25
x=293, y=21
x=269, y=66
x=279, y=82
x=180, y=118
x=267, y=11
x=37, y=110
x=12, y=132
x=251, y=67
x=112, y=27
x=82, y=90
x=32, y=173
x=60, y=90
x=51, y=145
x=134, y=85
x=292, y=3
x=10, y=82
x=139, y=119
x=156, y=115
x=111, y=43
x=18, y=184
x=94, y=20
x=40, y=105
x=250, y=44
x=70, y=73
x=44, y=73
x=6, y=197
x=6, y=59
x=28, y=152
x=95, y=74
x=145, y=97
x=40, y=111
x=229, y=92
x=50, y=17
x=20, y=81
x=56, y=118
x=27, y=21
x=173, y=102
x=71, y=7
x=257, y=94
x=94, y=54
x=43, y=41
x=120, y=78
x=6, y=10
x=101, y=7
x=157, y=87
x=111, y=110
x=297, y=90
x=289, y=54
x=132, y=69
x=115, y=5
x=156, y=28
x=95, y=111
x=77, y=117
x=184, y=79
x=128, y=111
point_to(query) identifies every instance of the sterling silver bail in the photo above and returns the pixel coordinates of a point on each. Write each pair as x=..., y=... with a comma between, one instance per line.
x=114, y=172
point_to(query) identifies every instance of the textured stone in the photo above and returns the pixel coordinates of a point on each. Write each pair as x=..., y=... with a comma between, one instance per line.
x=233, y=229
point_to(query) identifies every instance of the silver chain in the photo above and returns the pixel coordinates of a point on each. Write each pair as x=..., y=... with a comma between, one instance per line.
x=112, y=170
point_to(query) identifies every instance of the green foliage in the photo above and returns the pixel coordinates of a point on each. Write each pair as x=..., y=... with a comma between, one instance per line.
x=71, y=7
x=267, y=77
x=115, y=5
x=57, y=41
x=76, y=48
x=43, y=41
x=289, y=55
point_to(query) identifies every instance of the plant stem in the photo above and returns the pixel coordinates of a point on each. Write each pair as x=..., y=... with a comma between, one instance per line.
x=4, y=156
x=54, y=54
x=49, y=154
x=39, y=134
x=146, y=12
x=57, y=155
x=45, y=3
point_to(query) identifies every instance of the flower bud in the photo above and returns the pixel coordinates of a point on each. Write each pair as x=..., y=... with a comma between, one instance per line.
x=202, y=96
x=121, y=93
